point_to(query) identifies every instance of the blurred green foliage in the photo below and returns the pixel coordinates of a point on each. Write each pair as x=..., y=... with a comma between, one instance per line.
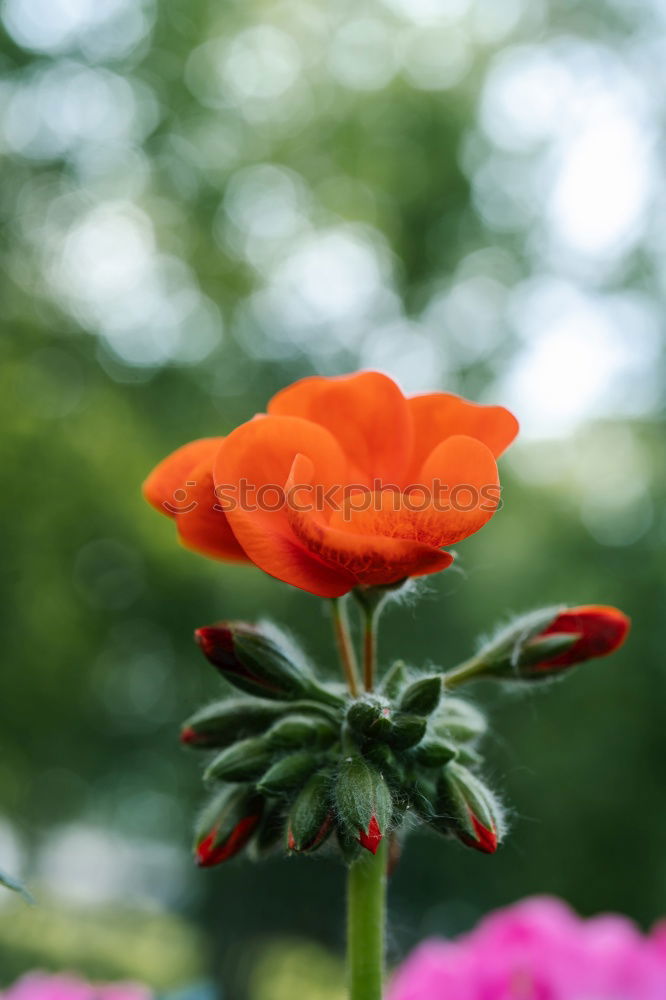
x=156, y=289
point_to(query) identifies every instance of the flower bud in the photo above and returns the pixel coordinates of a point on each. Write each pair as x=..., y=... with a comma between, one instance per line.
x=435, y=753
x=222, y=723
x=422, y=697
x=539, y=644
x=255, y=663
x=475, y=814
x=300, y=730
x=363, y=801
x=459, y=721
x=242, y=761
x=288, y=773
x=406, y=731
x=226, y=825
x=370, y=716
x=311, y=817
x=598, y=631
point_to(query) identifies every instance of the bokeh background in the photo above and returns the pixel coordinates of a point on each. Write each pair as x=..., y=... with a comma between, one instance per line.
x=202, y=201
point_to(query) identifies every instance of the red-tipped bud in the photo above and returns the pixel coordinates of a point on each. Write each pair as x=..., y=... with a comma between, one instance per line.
x=222, y=723
x=311, y=817
x=225, y=826
x=364, y=802
x=600, y=630
x=372, y=837
x=257, y=663
x=470, y=810
x=318, y=839
x=485, y=838
x=211, y=852
x=537, y=645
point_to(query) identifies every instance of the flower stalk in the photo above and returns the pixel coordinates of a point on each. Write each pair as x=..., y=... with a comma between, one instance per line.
x=344, y=644
x=366, y=922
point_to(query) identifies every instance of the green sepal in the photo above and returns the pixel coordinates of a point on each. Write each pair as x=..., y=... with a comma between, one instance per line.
x=242, y=761
x=395, y=680
x=370, y=717
x=300, y=731
x=536, y=651
x=459, y=720
x=350, y=849
x=311, y=816
x=422, y=697
x=288, y=773
x=361, y=794
x=223, y=722
x=468, y=756
x=435, y=753
x=406, y=731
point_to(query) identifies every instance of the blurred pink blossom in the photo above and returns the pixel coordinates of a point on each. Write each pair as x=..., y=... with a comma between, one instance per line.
x=538, y=949
x=44, y=986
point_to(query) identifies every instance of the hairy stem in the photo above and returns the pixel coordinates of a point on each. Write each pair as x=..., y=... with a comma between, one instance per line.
x=466, y=671
x=366, y=919
x=344, y=643
x=370, y=618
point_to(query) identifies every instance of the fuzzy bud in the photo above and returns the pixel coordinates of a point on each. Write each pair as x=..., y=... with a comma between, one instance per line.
x=293, y=731
x=537, y=645
x=242, y=761
x=311, y=817
x=406, y=731
x=422, y=697
x=288, y=773
x=435, y=753
x=226, y=825
x=363, y=801
x=257, y=664
x=475, y=814
x=222, y=723
x=370, y=717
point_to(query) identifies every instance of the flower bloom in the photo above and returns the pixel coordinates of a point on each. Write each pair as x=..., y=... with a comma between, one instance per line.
x=601, y=630
x=344, y=482
x=44, y=986
x=538, y=949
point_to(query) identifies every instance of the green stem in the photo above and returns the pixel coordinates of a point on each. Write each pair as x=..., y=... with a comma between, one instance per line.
x=344, y=643
x=464, y=672
x=370, y=617
x=366, y=919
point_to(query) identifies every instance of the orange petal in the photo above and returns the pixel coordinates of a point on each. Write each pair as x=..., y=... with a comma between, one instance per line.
x=457, y=493
x=440, y=415
x=373, y=559
x=462, y=475
x=204, y=528
x=168, y=486
x=367, y=413
x=251, y=472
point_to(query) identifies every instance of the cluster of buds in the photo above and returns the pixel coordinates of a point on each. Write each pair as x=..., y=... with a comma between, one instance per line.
x=296, y=763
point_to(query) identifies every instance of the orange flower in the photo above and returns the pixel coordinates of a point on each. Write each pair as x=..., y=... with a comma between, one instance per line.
x=343, y=483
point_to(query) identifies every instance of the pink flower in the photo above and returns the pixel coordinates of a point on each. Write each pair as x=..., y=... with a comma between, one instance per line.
x=43, y=986
x=538, y=949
